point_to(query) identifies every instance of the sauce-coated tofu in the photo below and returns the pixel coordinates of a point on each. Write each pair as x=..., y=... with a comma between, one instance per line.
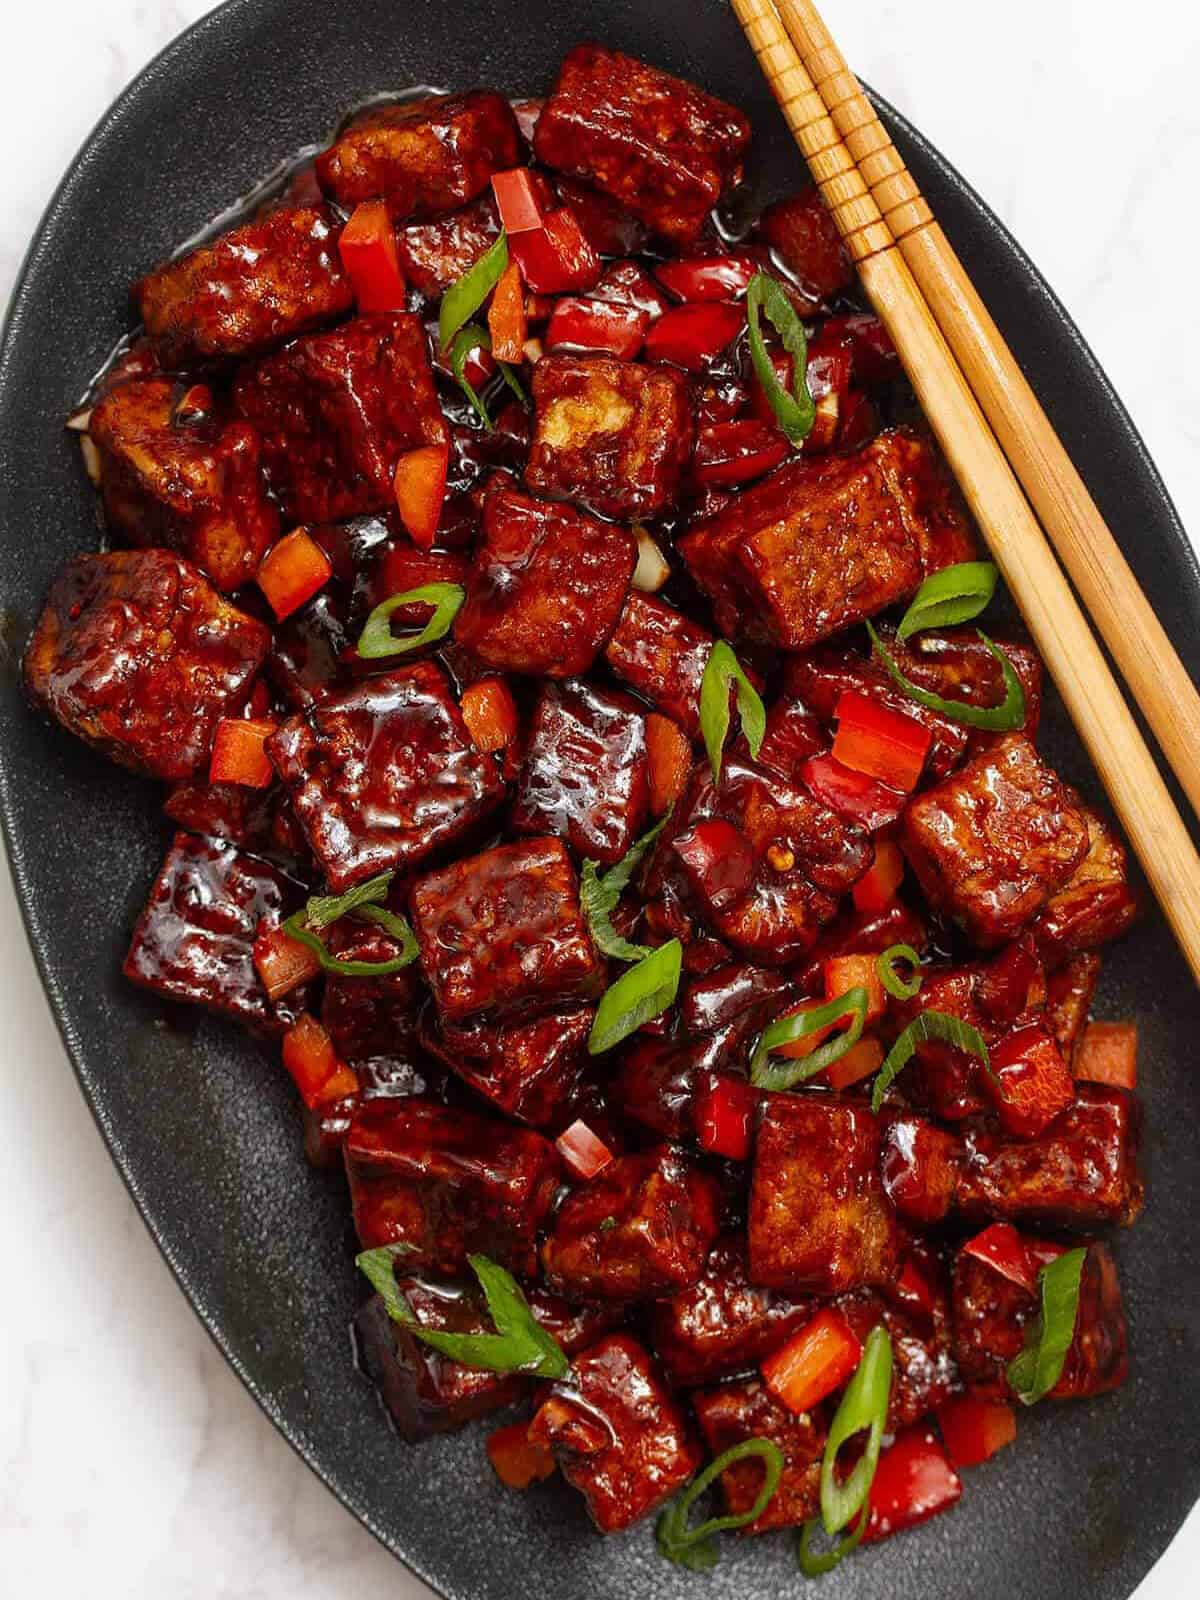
x=447, y=1183
x=422, y=156
x=383, y=773
x=665, y=149
x=1069, y=992
x=546, y=586
x=1096, y=904
x=641, y=1228
x=820, y=1222
x=270, y=279
x=370, y=1018
x=612, y=435
x=585, y=774
x=194, y=940
x=504, y=932
x=661, y=654
x=337, y=410
x=802, y=230
x=436, y=254
x=736, y=1412
x=140, y=657
x=618, y=1435
x=190, y=483
x=994, y=841
x=925, y=1373
x=529, y=1070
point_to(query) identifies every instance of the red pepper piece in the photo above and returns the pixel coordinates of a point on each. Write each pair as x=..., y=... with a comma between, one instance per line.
x=292, y=571
x=1032, y=1083
x=851, y=793
x=507, y=322
x=874, y=358
x=597, y=327
x=309, y=1056
x=880, y=742
x=913, y=1482
x=1107, y=1053
x=367, y=246
x=518, y=200
x=420, y=486
x=735, y=452
x=724, y=1118
x=583, y=1154
x=876, y=889
x=556, y=258
x=691, y=336
x=914, y=1291
x=718, y=859
x=1000, y=1246
x=283, y=963
x=974, y=1428
x=708, y=277
x=516, y=1460
x=238, y=755
x=813, y=1363
x=490, y=713
x=628, y=284
x=859, y=1062
x=843, y=973
x=670, y=756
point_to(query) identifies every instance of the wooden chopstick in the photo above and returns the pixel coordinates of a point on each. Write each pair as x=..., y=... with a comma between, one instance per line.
x=1052, y=614
x=1111, y=594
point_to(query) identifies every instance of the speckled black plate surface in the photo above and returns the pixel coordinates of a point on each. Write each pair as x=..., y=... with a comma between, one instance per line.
x=203, y=1127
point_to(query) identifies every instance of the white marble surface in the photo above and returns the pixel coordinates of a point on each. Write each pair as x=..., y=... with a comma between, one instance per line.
x=132, y=1464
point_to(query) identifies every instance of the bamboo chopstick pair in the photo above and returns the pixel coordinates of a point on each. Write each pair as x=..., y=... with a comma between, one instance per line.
x=958, y=363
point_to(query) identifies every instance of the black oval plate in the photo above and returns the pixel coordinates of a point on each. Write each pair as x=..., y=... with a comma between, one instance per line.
x=204, y=1128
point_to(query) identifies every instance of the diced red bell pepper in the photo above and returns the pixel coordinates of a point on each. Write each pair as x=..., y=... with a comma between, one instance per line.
x=597, y=327
x=913, y=1482
x=1001, y=1247
x=1107, y=1053
x=913, y=1290
x=973, y=1428
x=516, y=1459
x=719, y=860
x=518, y=200
x=876, y=889
x=490, y=713
x=238, y=754
x=628, y=284
x=851, y=793
x=670, y=758
x=843, y=973
x=884, y=744
x=1030, y=1082
x=859, y=1062
x=583, y=1154
x=735, y=452
x=556, y=258
x=507, y=322
x=367, y=246
x=292, y=571
x=724, y=1117
x=309, y=1056
x=692, y=336
x=282, y=963
x=420, y=486
x=813, y=1363
x=874, y=359
x=708, y=277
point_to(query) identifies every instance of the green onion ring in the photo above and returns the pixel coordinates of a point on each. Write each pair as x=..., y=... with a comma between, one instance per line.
x=779, y=1075
x=795, y=412
x=898, y=987
x=696, y=1547
x=1009, y=714
x=377, y=641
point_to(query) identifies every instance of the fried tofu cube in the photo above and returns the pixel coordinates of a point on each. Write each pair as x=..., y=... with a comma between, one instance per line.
x=140, y=657
x=994, y=841
x=194, y=486
x=820, y=1222
x=504, y=933
x=436, y=254
x=546, y=586
x=663, y=148
x=661, y=654
x=1082, y=1173
x=446, y=1184
x=919, y=478
x=925, y=1373
x=1096, y=904
x=612, y=435
x=617, y=1433
x=801, y=229
x=370, y=1019
x=642, y=1227
x=527, y=1069
x=337, y=410
x=722, y=1323
x=1069, y=991
x=919, y=1167
x=194, y=940
x=422, y=156
x=586, y=772
x=735, y=1412
x=816, y=547
x=268, y=280
x=382, y=774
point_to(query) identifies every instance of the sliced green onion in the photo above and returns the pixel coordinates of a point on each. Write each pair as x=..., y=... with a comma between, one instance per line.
x=361, y=902
x=1039, y=1366
x=377, y=639
x=599, y=894
x=785, y=1074
x=464, y=297
x=640, y=993
x=953, y=595
x=520, y=1343
x=467, y=339
x=885, y=965
x=322, y=909
x=816, y=1563
x=1010, y=713
x=795, y=412
x=928, y=1025
x=721, y=669
x=696, y=1548
x=864, y=1405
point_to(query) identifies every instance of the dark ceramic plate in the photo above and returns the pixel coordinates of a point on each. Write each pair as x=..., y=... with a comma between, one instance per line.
x=204, y=1129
